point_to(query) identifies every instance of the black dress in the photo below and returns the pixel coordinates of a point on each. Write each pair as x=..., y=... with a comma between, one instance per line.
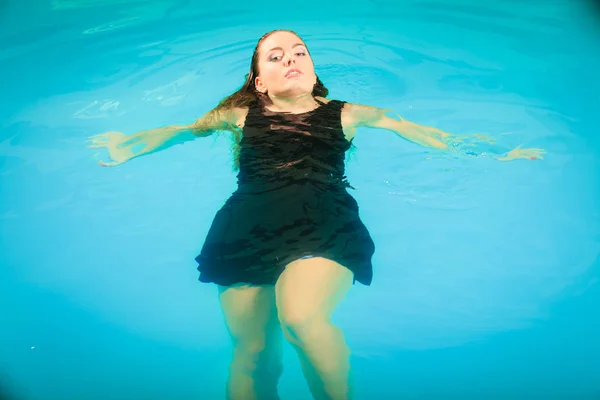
x=291, y=202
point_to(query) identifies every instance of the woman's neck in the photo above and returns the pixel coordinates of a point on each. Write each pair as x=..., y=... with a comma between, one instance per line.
x=294, y=105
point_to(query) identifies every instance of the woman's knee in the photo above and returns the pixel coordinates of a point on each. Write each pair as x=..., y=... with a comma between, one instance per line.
x=250, y=356
x=296, y=322
x=258, y=356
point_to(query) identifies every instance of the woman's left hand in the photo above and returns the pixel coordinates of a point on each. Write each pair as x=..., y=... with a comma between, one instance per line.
x=528, y=154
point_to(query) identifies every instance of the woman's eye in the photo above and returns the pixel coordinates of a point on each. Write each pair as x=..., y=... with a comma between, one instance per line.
x=279, y=56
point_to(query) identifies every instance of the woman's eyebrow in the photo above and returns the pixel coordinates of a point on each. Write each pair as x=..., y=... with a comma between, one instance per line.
x=279, y=48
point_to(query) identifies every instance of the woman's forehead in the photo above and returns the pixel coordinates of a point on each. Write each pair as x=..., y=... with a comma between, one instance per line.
x=280, y=39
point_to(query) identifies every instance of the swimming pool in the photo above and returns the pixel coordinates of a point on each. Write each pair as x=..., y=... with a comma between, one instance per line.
x=485, y=272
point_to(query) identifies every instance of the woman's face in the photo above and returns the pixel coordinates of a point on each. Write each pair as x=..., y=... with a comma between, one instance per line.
x=285, y=68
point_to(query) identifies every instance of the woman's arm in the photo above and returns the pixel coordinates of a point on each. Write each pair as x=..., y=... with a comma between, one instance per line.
x=355, y=116
x=123, y=148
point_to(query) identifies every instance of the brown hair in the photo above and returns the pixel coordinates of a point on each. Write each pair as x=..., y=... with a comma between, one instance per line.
x=248, y=96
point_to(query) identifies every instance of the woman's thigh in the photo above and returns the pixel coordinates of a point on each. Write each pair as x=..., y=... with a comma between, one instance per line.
x=311, y=288
x=250, y=313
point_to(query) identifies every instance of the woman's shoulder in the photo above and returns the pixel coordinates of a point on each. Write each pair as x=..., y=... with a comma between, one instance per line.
x=337, y=104
x=325, y=100
x=346, y=106
x=354, y=114
x=236, y=115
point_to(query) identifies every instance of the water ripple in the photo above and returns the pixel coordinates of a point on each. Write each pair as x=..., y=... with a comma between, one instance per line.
x=466, y=247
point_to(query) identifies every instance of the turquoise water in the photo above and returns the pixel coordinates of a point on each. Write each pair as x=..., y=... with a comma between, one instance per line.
x=486, y=273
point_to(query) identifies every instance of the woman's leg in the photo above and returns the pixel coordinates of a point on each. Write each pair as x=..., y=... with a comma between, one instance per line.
x=307, y=293
x=251, y=318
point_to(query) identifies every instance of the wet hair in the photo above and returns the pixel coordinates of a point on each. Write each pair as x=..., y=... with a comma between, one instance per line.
x=248, y=96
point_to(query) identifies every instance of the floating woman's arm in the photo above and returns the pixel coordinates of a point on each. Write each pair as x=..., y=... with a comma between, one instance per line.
x=122, y=148
x=470, y=145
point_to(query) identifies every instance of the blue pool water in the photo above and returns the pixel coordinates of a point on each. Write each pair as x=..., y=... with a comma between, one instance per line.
x=486, y=273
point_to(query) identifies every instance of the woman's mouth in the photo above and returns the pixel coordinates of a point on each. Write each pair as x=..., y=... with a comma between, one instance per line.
x=293, y=73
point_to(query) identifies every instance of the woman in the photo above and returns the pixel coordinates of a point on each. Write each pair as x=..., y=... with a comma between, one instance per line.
x=288, y=244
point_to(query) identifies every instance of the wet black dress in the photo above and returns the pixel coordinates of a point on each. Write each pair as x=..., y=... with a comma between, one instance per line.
x=291, y=202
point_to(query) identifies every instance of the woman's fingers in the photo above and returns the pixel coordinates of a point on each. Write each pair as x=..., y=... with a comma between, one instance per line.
x=108, y=164
x=105, y=163
x=94, y=145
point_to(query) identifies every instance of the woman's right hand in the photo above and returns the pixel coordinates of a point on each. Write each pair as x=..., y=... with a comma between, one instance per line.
x=117, y=145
